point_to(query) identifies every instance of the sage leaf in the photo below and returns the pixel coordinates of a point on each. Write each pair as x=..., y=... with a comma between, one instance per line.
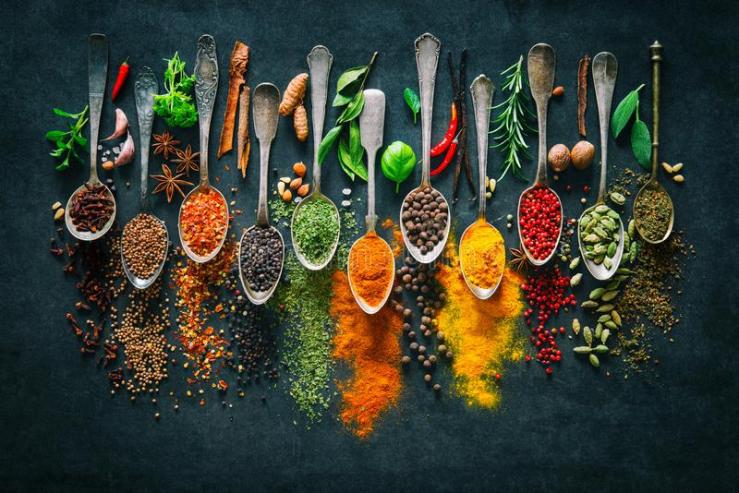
x=398, y=162
x=328, y=142
x=641, y=144
x=624, y=111
x=350, y=78
x=353, y=109
x=413, y=102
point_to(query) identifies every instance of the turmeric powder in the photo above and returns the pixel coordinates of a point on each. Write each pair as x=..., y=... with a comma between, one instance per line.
x=482, y=254
x=294, y=94
x=371, y=269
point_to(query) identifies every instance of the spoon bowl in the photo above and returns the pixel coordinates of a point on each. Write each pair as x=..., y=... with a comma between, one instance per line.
x=314, y=196
x=414, y=250
x=88, y=235
x=599, y=271
x=366, y=307
x=261, y=297
x=201, y=259
x=653, y=184
x=532, y=260
x=138, y=282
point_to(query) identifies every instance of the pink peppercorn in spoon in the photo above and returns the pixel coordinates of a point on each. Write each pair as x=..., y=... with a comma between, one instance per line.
x=540, y=212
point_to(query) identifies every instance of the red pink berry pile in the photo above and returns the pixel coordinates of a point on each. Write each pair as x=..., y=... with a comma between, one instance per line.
x=540, y=216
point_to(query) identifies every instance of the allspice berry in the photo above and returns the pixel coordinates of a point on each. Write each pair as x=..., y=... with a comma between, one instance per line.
x=582, y=155
x=559, y=158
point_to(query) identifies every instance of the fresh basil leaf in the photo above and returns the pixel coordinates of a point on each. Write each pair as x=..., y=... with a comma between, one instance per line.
x=641, y=144
x=353, y=110
x=356, y=151
x=624, y=111
x=55, y=135
x=328, y=142
x=413, y=102
x=341, y=100
x=349, y=78
x=398, y=162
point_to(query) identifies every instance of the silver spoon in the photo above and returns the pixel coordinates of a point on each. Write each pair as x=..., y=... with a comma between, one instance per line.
x=206, y=83
x=541, y=63
x=482, y=99
x=605, y=69
x=265, y=107
x=427, y=59
x=371, y=126
x=319, y=66
x=145, y=88
x=97, y=67
x=655, y=51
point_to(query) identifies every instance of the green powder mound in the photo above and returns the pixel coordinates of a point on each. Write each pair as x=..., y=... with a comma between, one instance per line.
x=307, y=355
x=315, y=229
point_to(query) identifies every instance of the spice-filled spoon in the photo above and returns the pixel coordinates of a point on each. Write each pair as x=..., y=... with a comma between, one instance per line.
x=316, y=214
x=424, y=214
x=203, y=218
x=91, y=208
x=540, y=212
x=482, y=247
x=145, y=239
x=371, y=263
x=600, y=229
x=652, y=199
x=262, y=249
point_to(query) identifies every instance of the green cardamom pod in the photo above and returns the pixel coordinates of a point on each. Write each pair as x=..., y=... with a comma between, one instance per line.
x=576, y=326
x=611, y=325
x=616, y=317
x=612, y=249
x=604, y=318
x=589, y=304
x=605, y=308
x=632, y=228
x=601, y=349
x=594, y=360
x=598, y=331
x=602, y=209
x=604, y=335
x=575, y=280
x=596, y=293
x=588, y=335
x=582, y=349
x=575, y=262
x=608, y=296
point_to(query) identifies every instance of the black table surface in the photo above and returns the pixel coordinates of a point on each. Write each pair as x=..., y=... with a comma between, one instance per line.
x=675, y=429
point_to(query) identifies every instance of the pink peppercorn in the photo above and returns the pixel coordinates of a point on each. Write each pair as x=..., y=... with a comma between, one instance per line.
x=540, y=220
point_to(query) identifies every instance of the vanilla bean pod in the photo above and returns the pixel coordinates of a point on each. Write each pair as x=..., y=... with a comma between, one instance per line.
x=455, y=101
x=463, y=114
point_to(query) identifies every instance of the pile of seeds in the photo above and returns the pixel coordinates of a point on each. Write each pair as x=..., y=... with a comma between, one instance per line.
x=91, y=208
x=652, y=211
x=144, y=245
x=316, y=229
x=261, y=258
x=204, y=221
x=425, y=214
x=599, y=232
x=540, y=216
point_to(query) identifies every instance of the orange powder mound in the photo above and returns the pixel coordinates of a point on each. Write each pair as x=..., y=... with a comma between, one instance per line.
x=369, y=345
x=396, y=245
x=481, y=333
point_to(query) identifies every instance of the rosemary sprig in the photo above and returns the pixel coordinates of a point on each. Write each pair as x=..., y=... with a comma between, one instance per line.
x=514, y=122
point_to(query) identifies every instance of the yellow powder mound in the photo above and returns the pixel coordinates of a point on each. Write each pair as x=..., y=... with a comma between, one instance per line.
x=479, y=332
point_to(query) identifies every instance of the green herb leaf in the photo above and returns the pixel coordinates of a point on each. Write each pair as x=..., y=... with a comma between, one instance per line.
x=176, y=106
x=69, y=141
x=55, y=135
x=398, y=162
x=353, y=110
x=641, y=144
x=624, y=111
x=345, y=158
x=413, y=102
x=348, y=80
x=356, y=151
x=341, y=100
x=65, y=114
x=328, y=142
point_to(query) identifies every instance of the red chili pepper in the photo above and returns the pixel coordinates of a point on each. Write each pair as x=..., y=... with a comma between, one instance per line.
x=451, y=130
x=450, y=153
x=120, y=79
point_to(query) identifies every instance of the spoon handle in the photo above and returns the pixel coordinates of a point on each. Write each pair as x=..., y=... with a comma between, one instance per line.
x=605, y=70
x=144, y=90
x=266, y=117
x=427, y=59
x=540, y=66
x=655, y=51
x=371, y=128
x=482, y=100
x=97, y=68
x=319, y=65
x=206, y=83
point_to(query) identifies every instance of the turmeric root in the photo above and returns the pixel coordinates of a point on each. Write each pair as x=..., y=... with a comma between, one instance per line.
x=294, y=94
x=300, y=123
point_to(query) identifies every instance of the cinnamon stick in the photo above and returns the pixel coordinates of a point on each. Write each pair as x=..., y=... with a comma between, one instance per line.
x=243, y=140
x=582, y=93
x=236, y=73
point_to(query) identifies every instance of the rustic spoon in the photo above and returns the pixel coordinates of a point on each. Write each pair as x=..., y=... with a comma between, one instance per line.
x=427, y=59
x=265, y=107
x=145, y=88
x=605, y=69
x=97, y=67
x=541, y=63
x=206, y=83
x=482, y=98
x=319, y=66
x=655, y=50
x=371, y=127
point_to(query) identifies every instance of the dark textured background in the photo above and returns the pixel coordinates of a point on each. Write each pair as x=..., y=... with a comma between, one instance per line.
x=672, y=430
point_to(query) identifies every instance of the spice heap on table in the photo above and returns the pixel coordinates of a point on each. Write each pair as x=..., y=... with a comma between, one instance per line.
x=203, y=221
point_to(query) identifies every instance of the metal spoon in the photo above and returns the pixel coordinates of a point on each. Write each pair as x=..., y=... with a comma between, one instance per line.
x=319, y=66
x=265, y=107
x=655, y=50
x=605, y=69
x=371, y=126
x=541, y=63
x=97, y=68
x=427, y=59
x=145, y=88
x=206, y=83
x=482, y=98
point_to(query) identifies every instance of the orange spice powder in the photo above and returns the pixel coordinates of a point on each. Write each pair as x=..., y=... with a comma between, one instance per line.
x=369, y=345
x=482, y=254
x=203, y=221
x=371, y=267
x=396, y=245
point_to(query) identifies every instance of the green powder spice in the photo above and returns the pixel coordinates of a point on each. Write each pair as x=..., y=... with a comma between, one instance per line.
x=315, y=229
x=652, y=212
x=306, y=299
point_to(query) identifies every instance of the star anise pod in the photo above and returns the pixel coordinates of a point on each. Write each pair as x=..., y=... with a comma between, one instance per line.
x=518, y=259
x=165, y=144
x=187, y=160
x=169, y=182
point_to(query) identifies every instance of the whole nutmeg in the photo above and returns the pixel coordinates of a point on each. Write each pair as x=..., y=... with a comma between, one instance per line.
x=559, y=157
x=582, y=154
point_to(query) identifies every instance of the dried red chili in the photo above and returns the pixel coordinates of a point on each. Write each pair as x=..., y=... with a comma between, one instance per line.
x=451, y=152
